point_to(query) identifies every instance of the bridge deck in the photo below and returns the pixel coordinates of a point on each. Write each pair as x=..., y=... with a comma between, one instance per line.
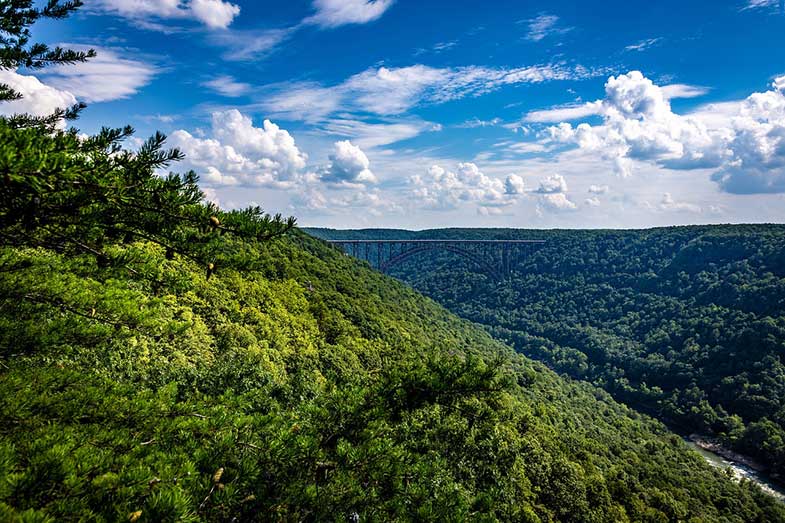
x=436, y=241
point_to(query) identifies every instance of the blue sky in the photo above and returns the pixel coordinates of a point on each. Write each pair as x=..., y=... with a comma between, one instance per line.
x=355, y=113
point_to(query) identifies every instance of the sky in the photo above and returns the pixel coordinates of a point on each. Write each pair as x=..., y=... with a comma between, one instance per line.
x=413, y=114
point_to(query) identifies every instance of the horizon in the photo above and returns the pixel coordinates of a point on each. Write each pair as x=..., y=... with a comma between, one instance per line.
x=631, y=229
x=363, y=113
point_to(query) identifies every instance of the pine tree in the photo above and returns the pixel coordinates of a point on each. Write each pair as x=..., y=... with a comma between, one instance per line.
x=65, y=192
x=16, y=17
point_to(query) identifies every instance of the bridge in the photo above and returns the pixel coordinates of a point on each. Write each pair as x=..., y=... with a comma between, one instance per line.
x=494, y=257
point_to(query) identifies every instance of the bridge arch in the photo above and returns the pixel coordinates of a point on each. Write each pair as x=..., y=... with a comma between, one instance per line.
x=477, y=260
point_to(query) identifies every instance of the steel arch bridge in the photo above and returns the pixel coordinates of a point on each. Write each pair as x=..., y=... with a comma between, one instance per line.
x=494, y=257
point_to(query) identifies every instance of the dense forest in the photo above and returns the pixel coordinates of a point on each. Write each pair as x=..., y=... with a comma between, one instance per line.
x=162, y=359
x=685, y=323
x=305, y=387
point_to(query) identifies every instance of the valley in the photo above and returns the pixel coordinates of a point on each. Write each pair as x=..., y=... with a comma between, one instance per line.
x=684, y=323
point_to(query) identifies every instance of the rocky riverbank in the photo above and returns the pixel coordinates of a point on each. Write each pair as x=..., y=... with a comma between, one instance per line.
x=717, y=448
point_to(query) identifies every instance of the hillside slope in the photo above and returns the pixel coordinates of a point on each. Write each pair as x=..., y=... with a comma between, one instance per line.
x=308, y=388
x=686, y=323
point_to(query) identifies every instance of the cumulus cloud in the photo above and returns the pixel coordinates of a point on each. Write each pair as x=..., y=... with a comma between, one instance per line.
x=37, y=99
x=640, y=125
x=348, y=166
x=215, y=14
x=238, y=153
x=553, y=184
x=552, y=194
x=576, y=111
x=758, y=161
x=556, y=202
x=513, y=184
x=743, y=142
x=440, y=189
x=227, y=86
x=101, y=79
x=335, y=13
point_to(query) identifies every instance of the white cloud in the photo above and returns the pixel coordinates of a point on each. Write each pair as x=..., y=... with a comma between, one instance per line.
x=304, y=101
x=215, y=14
x=557, y=202
x=744, y=141
x=476, y=122
x=227, y=86
x=599, y=189
x=440, y=189
x=639, y=125
x=669, y=204
x=544, y=25
x=370, y=135
x=513, y=184
x=759, y=4
x=444, y=46
x=758, y=162
x=552, y=194
x=348, y=166
x=335, y=13
x=392, y=91
x=37, y=99
x=683, y=91
x=249, y=45
x=576, y=111
x=101, y=79
x=238, y=153
x=593, y=201
x=379, y=94
x=372, y=201
x=563, y=113
x=779, y=84
x=643, y=44
x=523, y=147
x=552, y=185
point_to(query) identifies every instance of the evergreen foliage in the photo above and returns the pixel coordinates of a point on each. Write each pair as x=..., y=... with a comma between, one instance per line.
x=71, y=193
x=16, y=51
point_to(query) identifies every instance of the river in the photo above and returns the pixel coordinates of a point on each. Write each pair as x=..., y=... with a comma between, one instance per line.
x=740, y=471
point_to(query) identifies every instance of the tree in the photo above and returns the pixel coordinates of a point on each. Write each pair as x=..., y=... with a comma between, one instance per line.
x=61, y=191
x=16, y=17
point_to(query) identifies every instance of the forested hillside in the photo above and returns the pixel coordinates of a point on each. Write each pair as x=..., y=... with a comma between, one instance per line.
x=162, y=359
x=686, y=323
x=306, y=387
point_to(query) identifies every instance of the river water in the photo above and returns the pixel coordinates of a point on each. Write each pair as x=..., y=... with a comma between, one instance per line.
x=740, y=471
